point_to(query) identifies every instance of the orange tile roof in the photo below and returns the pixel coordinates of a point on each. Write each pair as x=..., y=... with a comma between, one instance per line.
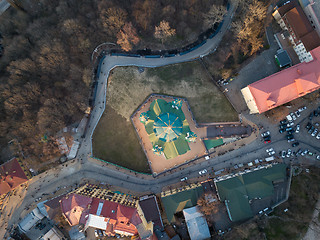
x=11, y=176
x=288, y=84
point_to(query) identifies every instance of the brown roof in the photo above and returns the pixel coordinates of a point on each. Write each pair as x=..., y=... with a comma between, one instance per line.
x=287, y=7
x=53, y=206
x=298, y=21
x=302, y=28
x=311, y=40
x=11, y=176
x=151, y=211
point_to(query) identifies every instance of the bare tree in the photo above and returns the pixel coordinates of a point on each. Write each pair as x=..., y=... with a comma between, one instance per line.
x=214, y=15
x=164, y=31
x=113, y=19
x=127, y=37
x=208, y=204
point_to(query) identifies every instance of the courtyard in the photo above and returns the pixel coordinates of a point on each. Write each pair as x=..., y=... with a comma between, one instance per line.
x=128, y=88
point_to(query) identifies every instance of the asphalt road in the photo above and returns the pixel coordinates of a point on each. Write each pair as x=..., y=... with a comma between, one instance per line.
x=73, y=173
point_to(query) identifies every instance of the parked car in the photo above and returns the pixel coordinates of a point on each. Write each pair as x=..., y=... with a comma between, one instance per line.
x=284, y=121
x=310, y=116
x=318, y=136
x=290, y=124
x=281, y=130
x=298, y=128
x=318, y=157
x=311, y=129
x=293, y=116
x=309, y=125
x=314, y=133
x=289, y=129
x=96, y=233
x=304, y=152
x=289, y=152
x=302, y=109
x=299, y=151
x=267, y=133
x=283, y=154
x=295, y=144
x=204, y=171
x=291, y=140
x=297, y=113
x=315, y=113
x=183, y=179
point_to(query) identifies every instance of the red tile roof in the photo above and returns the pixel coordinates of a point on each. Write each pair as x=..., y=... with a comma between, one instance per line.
x=11, y=176
x=288, y=84
x=75, y=208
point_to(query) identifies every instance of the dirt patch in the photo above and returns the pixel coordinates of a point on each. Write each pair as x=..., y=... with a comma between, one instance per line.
x=128, y=89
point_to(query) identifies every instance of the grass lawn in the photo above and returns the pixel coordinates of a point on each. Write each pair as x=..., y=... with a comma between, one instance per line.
x=114, y=139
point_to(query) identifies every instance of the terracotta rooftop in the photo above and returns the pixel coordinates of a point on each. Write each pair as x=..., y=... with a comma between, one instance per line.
x=286, y=85
x=75, y=208
x=11, y=176
x=294, y=16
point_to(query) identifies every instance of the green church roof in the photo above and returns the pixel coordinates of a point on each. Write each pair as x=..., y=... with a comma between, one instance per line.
x=167, y=127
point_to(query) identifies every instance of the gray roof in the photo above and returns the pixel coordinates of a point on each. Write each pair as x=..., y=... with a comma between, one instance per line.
x=283, y=58
x=197, y=224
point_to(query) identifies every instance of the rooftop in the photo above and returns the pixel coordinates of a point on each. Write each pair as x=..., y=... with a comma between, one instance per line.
x=197, y=225
x=177, y=202
x=11, y=176
x=284, y=86
x=237, y=191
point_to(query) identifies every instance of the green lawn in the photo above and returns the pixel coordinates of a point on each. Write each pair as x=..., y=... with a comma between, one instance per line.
x=114, y=139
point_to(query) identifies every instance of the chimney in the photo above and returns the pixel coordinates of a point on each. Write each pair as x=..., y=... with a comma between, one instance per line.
x=299, y=71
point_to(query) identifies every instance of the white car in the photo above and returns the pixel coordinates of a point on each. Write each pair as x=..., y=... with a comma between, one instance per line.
x=204, y=171
x=269, y=150
x=289, y=153
x=302, y=109
x=318, y=136
x=183, y=179
x=293, y=116
x=314, y=133
x=267, y=133
x=298, y=128
x=271, y=153
x=290, y=124
x=96, y=233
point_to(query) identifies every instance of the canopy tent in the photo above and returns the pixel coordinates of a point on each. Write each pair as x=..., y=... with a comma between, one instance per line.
x=191, y=136
x=177, y=103
x=144, y=117
x=157, y=150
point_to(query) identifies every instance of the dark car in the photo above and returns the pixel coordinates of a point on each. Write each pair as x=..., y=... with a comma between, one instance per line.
x=281, y=130
x=315, y=113
x=289, y=129
x=311, y=129
x=284, y=121
x=267, y=138
x=283, y=126
x=290, y=132
x=310, y=116
x=309, y=125
x=295, y=144
x=289, y=137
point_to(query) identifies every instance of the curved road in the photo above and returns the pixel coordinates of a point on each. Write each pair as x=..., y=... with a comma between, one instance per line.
x=73, y=173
